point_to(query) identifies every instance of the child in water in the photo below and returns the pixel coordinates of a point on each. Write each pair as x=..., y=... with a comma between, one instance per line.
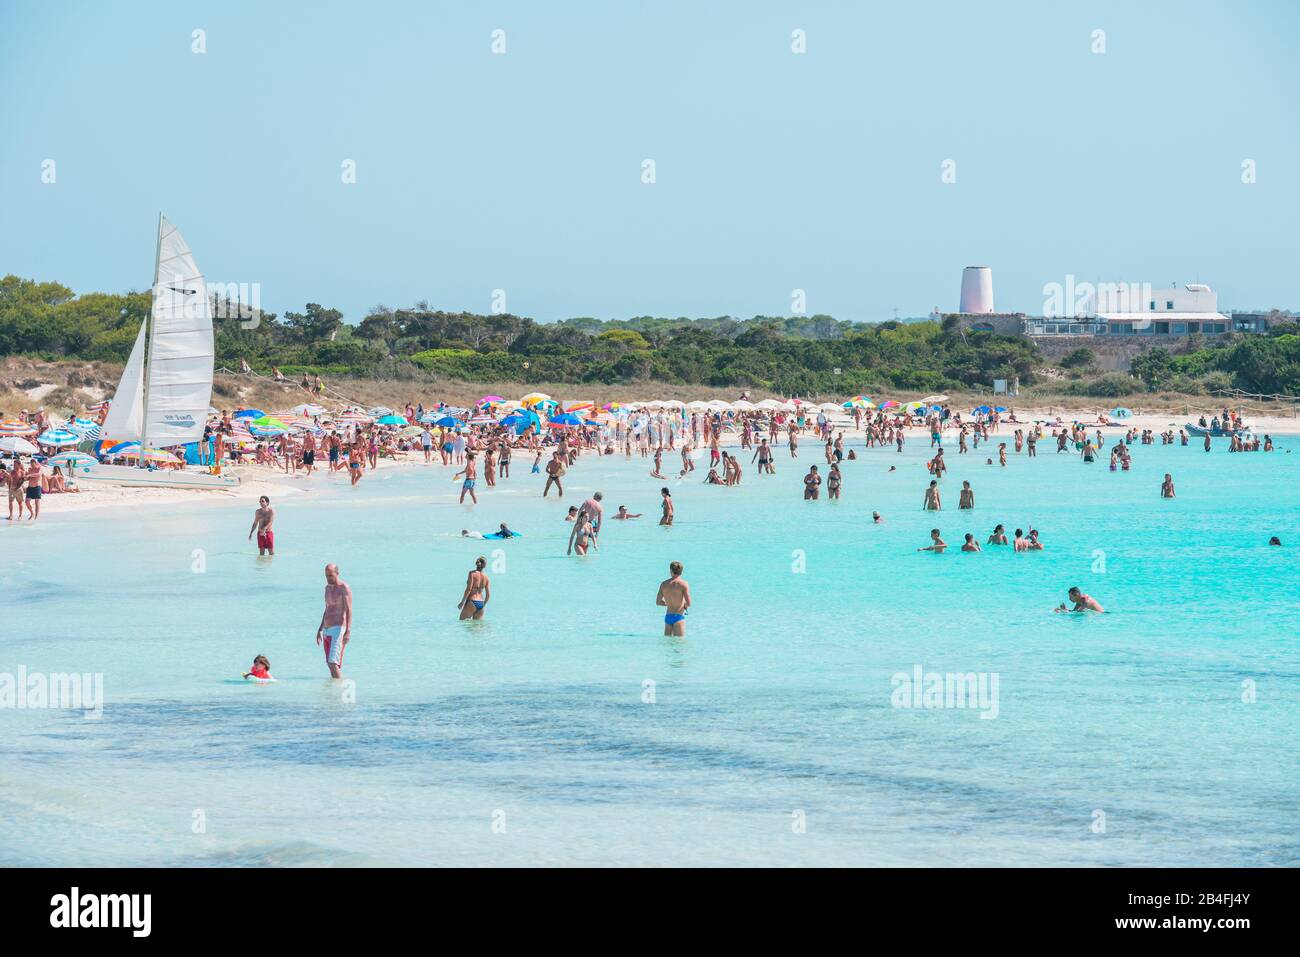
x=261, y=671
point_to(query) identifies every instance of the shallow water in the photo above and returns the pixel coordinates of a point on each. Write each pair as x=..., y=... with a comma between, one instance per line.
x=767, y=735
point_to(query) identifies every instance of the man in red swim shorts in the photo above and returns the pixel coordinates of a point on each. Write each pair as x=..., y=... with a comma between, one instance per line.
x=262, y=520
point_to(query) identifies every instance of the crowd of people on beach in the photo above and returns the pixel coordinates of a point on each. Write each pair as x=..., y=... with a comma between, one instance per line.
x=481, y=443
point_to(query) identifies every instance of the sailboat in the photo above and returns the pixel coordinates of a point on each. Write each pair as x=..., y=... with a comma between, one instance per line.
x=166, y=387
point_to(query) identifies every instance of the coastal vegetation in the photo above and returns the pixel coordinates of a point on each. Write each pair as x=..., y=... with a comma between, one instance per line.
x=788, y=355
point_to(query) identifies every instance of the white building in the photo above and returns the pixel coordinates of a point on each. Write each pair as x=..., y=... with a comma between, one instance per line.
x=1138, y=309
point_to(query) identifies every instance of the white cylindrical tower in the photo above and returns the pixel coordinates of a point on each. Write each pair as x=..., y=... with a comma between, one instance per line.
x=976, y=290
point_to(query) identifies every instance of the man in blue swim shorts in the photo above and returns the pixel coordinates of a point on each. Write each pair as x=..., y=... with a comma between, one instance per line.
x=675, y=597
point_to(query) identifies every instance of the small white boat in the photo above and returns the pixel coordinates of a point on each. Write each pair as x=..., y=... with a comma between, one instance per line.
x=87, y=474
x=163, y=398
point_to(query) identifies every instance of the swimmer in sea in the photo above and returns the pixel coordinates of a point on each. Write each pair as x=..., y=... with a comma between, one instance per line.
x=999, y=536
x=623, y=513
x=812, y=484
x=1167, y=489
x=674, y=597
x=967, y=497
x=970, y=545
x=876, y=519
x=335, y=629
x=263, y=519
x=470, y=471
x=932, y=501
x=478, y=590
x=667, y=517
x=1081, y=601
x=261, y=670
x=937, y=544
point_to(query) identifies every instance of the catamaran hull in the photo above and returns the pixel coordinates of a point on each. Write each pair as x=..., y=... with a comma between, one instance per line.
x=127, y=475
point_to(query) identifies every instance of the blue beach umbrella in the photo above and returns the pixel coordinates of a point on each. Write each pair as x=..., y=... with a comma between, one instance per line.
x=58, y=437
x=249, y=414
x=564, y=419
x=981, y=410
x=448, y=422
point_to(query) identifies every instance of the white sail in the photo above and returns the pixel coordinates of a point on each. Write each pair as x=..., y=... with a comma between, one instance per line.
x=179, y=378
x=126, y=415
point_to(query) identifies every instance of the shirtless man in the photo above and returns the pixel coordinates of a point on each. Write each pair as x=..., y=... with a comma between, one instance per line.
x=34, y=489
x=554, y=470
x=470, y=471
x=937, y=544
x=667, y=517
x=970, y=545
x=15, y=481
x=1081, y=601
x=335, y=629
x=595, y=511
x=674, y=597
x=478, y=591
x=967, y=497
x=308, y=452
x=262, y=520
x=763, y=455
x=623, y=513
x=932, y=503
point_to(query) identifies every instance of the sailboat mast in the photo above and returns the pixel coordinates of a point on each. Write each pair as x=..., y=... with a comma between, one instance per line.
x=148, y=352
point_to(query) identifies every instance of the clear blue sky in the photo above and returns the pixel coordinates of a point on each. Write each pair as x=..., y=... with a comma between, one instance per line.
x=775, y=171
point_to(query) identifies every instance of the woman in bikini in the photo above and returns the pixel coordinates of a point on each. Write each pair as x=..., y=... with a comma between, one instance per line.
x=478, y=590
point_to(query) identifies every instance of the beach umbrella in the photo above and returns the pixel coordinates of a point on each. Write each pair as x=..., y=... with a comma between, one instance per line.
x=392, y=419
x=248, y=414
x=268, y=422
x=829, y=407
x=16, y=427
x=490, y=400
x=535, y=398
x=429, y=418
x=412, y=430
x=718, y=405
x=267, y=432
x=999, y=408
x=698, y=406
x=564, y=421
x=743, y=405
x=17, y=445
x=448, y=422
x=58, y=437
x=611, y=406
x=483, y=420
x=71, y=459
x=931, y=399
x=981, y=410
x=379, y=411
x=575, y=406
x=309, y=409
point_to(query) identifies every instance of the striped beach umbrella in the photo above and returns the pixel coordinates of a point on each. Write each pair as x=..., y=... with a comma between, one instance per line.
x=71, y=459
x=16, y=427
x=58, y=437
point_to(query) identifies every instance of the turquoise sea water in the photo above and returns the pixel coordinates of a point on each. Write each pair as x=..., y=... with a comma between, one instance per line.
x=767, y=736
